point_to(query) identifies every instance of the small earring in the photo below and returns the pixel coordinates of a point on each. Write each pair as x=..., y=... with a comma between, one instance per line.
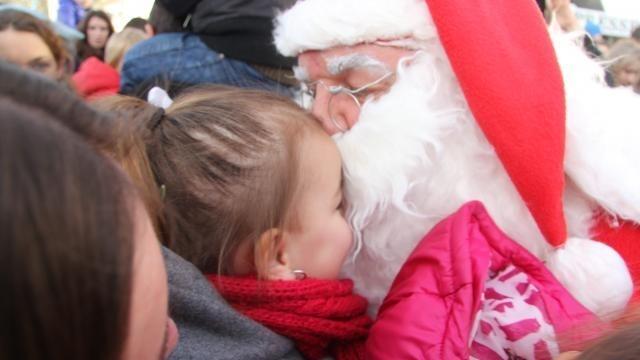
x=163, y=192
x=299, y=274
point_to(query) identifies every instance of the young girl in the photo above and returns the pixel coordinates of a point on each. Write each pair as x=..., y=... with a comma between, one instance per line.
x=251, y=190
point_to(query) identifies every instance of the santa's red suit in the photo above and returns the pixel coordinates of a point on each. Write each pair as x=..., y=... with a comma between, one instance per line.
x=491, y=108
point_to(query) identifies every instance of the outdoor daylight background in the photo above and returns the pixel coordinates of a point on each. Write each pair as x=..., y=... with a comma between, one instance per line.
x=120, y=10
x=616, y=18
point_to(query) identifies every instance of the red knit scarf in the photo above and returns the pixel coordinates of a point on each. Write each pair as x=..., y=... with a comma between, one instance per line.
x=321, y=316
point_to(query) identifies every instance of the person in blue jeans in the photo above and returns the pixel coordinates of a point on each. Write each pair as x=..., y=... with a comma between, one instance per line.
x=177, y=58
x=71, y=12
x=183, y=59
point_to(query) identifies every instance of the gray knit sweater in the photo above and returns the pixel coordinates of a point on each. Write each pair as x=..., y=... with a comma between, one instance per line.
x=209, y=328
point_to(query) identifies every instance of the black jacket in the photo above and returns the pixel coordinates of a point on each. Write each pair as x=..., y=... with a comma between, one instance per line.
x=240, y=29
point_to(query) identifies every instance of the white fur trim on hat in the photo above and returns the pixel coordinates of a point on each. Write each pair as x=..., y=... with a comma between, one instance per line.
x=323, y=24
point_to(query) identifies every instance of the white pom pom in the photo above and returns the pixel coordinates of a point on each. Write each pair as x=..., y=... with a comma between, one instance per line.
x=594, y=274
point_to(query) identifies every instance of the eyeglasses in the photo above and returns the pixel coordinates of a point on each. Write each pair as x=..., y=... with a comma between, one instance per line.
x=340, y=94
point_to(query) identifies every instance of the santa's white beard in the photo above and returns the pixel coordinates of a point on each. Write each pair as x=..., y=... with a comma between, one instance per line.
x=414, y=157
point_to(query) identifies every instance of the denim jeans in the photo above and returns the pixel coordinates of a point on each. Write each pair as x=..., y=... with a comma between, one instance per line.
x=182, y=58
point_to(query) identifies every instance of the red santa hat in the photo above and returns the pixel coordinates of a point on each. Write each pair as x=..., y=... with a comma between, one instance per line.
x=503, y=58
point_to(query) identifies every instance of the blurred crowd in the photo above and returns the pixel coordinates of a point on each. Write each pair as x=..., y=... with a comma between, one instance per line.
x=95, y=60
x=212, y=45
x=619, y=55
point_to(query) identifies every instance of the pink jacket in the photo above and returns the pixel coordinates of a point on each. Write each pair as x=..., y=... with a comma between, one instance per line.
x=469, y=291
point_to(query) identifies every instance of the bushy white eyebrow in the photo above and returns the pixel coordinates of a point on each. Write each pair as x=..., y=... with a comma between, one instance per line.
x=340, y=64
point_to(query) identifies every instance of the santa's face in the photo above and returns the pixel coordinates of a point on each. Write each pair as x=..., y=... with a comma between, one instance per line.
x=361, y=73
x=391, y=134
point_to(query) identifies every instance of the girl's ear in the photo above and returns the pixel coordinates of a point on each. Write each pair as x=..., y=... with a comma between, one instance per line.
x=271, y=256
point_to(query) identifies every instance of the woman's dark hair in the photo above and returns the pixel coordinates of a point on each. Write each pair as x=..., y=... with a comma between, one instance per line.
x=22, y=21
x=137, y=23
x=163, y=21
x=66, y=232
x=83, y=47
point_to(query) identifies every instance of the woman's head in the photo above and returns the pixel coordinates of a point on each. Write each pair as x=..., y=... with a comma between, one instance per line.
x=82, y=271
x=163, y=21
x=119, y=44
x=97, y=28
x=250, y=178
x=31, y=44
x=142, y=25
x=625, y=63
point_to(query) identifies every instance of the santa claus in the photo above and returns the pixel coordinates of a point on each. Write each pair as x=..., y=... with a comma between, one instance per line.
x=437, y=103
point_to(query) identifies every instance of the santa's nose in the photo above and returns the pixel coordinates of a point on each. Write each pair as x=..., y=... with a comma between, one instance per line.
x=320, y=110
x=335, y=112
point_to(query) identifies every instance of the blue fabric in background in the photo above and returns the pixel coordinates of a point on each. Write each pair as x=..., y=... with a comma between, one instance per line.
x=70, y=13
x=184, y=59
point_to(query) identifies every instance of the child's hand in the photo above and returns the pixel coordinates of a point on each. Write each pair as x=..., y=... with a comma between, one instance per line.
x=556, y=4
x=564, y=14
x=569, y=355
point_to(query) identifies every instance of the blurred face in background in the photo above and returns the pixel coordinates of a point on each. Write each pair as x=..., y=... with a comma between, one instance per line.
x=29, y=51
x=628, y=75
x=97, y=32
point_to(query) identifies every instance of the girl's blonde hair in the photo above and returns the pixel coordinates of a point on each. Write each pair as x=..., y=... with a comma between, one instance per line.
x=119, y=44
x=227, y=161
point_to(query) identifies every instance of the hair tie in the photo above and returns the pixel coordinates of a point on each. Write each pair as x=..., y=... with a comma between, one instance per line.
x=159, y=98
x=157, y=118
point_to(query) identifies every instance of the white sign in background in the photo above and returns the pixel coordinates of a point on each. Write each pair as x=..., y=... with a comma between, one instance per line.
x=610, y=25
x=121, y=11
x=629, y=9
